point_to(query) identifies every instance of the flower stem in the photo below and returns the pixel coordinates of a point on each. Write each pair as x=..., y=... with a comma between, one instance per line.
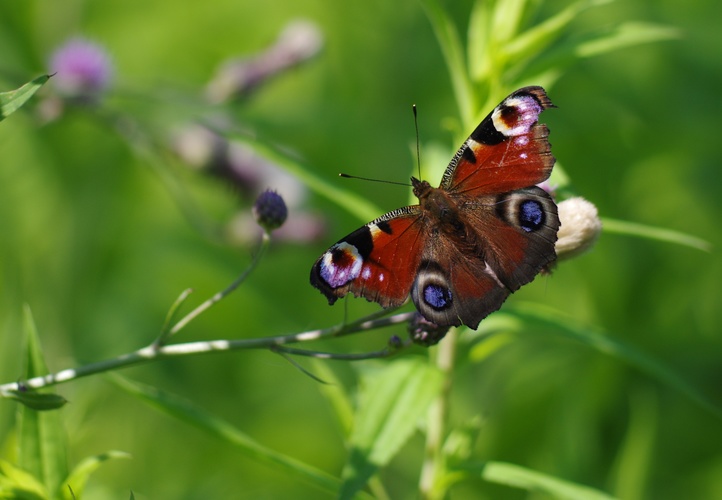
x=155, y=352
x=431, y=484
x=183, y=322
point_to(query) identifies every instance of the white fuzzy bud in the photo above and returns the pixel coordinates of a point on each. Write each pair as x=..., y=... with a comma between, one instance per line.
x=580, y=227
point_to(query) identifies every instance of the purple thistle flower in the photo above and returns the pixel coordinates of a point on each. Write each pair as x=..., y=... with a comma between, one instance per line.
x=82, y=70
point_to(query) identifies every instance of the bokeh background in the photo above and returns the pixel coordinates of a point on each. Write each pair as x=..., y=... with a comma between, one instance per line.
x=93, y=238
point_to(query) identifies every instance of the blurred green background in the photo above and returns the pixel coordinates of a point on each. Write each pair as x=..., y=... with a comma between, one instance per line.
x=94, y=242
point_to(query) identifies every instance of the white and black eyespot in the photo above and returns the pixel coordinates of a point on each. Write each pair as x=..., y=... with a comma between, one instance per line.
x=526, y=209
x=516, y=115
x=341, y=264
x=431, y=293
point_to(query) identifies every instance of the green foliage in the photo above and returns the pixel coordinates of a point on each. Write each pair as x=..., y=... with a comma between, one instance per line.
x=42, y=471
x=41, y=439
x=104, y=224
x=521, y=477
x=393, y=398
x=11, y=101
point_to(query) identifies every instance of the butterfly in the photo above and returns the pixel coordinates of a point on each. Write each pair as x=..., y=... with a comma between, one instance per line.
x=482, y=234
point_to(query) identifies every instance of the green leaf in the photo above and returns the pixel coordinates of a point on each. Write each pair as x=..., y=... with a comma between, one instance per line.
x=396, y=396
x=74, y=485
x=537, y=38
x=16, y=483
x=189, y=413
x=654, y=233
x=11, y=101
x=453, y=51
x=626, y=35
x=36, y=400
x=41, y=439
x=507, y=16
x=593, y=337
x=617, y=37
x=334, y=391
x=636, y=455
x=531, y=480
x=480, y=29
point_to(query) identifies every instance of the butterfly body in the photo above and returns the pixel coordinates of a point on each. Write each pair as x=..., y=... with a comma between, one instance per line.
x=483, y=233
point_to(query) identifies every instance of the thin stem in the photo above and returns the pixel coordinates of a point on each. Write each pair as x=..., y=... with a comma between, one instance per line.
x=154, y=352
x=382, y=353
x=165, y=331
x=431, y=480
x=183, y=322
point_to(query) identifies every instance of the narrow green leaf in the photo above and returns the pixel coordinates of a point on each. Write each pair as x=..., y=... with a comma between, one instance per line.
x=17, y=483
x=41, y=439
x=561, y=323
x=335, y=393
x=617, y=37
x=537, y=38
x=654, y=233
x=531, y=480
x=11, y=101
x=633, y=464
x=453, y=51
x=479, y=49
x=36, y=400
x=626, y=35
x=506, y=19
x=187, y=412
x=396, y=397
x=74, y=485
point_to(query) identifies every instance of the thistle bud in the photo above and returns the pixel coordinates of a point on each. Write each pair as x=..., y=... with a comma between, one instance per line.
x=424, y=332
x=580, y=227
x=270, y=210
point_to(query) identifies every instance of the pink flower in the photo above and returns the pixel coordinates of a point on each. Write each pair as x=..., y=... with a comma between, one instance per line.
x=82, y=70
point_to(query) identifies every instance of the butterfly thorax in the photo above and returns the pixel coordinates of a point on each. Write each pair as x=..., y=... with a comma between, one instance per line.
x=442, y=211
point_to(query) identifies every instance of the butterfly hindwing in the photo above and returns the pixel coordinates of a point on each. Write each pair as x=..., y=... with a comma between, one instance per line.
x=451, y=289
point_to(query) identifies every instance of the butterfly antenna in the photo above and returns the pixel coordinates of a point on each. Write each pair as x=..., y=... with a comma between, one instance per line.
x=349, y=176
x=418, y=150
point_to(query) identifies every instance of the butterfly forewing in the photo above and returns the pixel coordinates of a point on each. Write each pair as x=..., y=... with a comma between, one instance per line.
x=508, y=150
x=376, y=261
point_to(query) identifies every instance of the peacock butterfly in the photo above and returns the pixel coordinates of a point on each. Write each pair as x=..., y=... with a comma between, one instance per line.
x=483, y=233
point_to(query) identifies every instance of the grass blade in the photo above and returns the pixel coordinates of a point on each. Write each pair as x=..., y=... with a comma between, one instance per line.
x=453, y=52
x=41, y=439
x=531, y=480
x=77, y=479
x=592, y=337
x=187, y=412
